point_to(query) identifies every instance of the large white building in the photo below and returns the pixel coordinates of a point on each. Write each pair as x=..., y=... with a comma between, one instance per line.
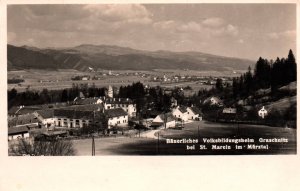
x=125, y=103
x=116, y=118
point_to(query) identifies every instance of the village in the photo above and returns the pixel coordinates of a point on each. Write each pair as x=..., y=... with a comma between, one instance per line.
x=107, y=116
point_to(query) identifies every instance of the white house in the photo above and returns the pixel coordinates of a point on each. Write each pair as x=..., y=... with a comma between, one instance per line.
x=18, y=132
x=229, y=110
x=125, y=103
x=166, y=120
x=262, y=112
x=194, y=113
x=116, y=117
x=46, y=117
x=180, y=113
x=213, y=100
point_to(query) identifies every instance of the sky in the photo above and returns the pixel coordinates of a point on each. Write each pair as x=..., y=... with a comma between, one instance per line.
x=233, y=30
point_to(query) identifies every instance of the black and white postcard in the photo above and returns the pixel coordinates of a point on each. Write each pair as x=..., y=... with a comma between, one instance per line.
x=156, y=79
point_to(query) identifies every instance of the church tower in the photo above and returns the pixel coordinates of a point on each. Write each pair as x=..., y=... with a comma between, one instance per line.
x=110, y=92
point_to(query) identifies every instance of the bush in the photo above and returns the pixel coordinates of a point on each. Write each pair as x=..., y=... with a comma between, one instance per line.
x=43, y=148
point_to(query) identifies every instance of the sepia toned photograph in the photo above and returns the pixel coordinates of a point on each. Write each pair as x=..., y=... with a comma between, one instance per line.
x=151, y=79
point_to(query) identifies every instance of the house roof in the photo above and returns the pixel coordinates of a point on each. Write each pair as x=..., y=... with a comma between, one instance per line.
x=75, y=114
x=117, y=112
x=118, y=101
x=87, y=101
x=46, y=113
x=17, y=130
x=167, y=117
x=182, y=109
x=88, y=107
x=21, y=110
x=196, y=110
x=22, y=120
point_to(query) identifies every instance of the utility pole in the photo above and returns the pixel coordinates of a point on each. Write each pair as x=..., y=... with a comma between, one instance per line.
x=198, y=133
x=93, y=146
x=93, y=138
x=157, y=142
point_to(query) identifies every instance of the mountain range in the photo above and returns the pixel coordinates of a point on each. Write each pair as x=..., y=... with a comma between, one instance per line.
x=117, y=58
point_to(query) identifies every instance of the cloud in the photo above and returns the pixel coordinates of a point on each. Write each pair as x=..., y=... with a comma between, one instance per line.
x=232, y=30
x=213, y=22
x=165, y=25
x=132, y=13
x=289, y=34
x=191, y=27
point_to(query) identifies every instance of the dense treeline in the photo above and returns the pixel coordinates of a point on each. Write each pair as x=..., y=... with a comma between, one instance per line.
x=267, y=74
x=52, y=96
x=152, y=97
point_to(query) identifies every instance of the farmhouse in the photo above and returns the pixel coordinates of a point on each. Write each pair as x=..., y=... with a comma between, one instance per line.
x=194, y=113
x=167, y=120
x=116, y=117
x=180, y=113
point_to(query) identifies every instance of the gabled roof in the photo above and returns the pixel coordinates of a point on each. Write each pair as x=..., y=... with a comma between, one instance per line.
x=17, y=130
x=22, y=120
x=117, y=112
x=46, y=113
x=182, y=109
x=196, y=110
x=21, y=110
x=167, y=117
x=75, y=114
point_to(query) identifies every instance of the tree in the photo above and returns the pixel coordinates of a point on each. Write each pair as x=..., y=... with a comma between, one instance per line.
x=219, y=84
x=290, y=68
x=45, y=148
x=262, y=74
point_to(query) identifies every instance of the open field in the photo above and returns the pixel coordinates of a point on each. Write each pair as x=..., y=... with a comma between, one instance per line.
x=145, y=146
x=40, y=79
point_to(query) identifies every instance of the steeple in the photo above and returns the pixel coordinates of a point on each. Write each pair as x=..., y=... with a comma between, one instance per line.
x=110, y=92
